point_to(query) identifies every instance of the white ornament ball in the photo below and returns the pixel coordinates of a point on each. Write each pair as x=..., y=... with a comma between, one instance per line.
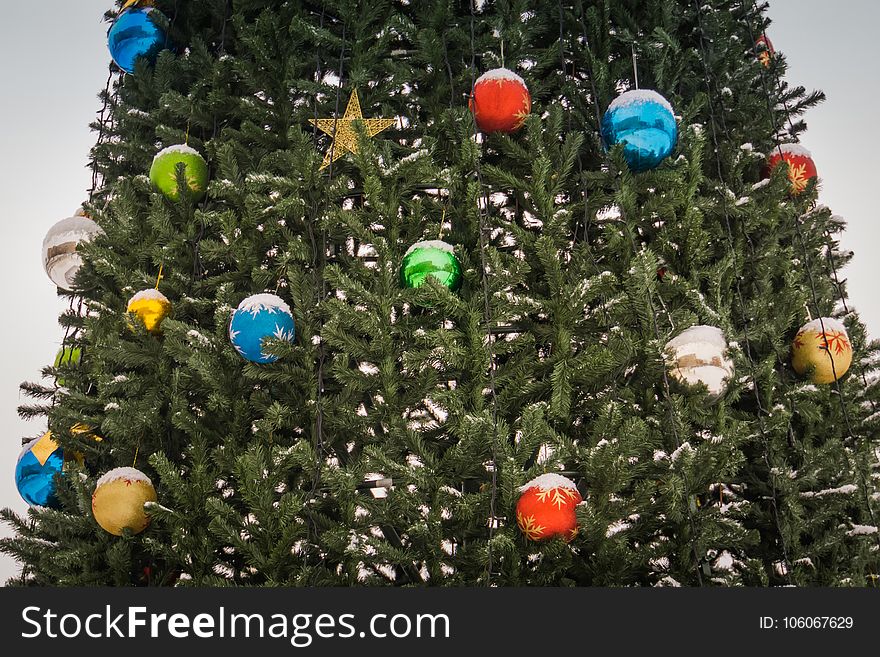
x=60, y=257
x=698, y=355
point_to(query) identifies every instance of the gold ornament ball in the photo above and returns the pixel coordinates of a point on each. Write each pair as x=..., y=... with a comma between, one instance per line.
x=815, y=351
x=118, y=501
x=151, y=307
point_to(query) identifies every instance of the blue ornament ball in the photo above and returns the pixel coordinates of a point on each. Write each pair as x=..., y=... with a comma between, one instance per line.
x=134, y=34
x=258, y=317
x=40, y=460
x=643, y=121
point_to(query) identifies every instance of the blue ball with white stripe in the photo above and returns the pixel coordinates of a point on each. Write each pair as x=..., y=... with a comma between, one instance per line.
x=259, y=317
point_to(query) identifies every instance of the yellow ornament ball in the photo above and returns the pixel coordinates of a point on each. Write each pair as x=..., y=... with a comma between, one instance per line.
x=815, y=351
x=79, y=428
x=118, y=501
x=151, y=307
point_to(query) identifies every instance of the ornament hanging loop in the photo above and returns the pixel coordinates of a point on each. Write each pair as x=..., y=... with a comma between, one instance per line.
x=137, y=449
x=159, y=277
x=189, y=124
x=635, y=59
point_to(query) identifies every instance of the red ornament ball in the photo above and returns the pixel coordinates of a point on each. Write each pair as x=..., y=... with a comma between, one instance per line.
x=765, y=50
x=501, y=101
x=801, y=168
x=546, y=508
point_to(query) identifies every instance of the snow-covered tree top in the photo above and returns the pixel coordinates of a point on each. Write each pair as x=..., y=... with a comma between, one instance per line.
x=639, y=96
x=500, y=74
x=430, y=244
x=148, y=294
x=270, y=302
x=829, y=323
x=795, y=149
x=549, y=481
x=129, y=474
x=705, y=334
x=177, y=148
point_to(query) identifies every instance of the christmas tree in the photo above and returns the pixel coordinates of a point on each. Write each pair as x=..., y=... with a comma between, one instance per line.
x=451, y=293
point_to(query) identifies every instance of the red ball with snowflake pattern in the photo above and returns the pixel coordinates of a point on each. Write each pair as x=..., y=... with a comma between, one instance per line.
x=501, y=101
x=801, y=168
x=546, y=508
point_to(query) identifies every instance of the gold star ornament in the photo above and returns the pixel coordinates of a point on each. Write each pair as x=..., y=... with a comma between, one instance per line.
x=343, y=132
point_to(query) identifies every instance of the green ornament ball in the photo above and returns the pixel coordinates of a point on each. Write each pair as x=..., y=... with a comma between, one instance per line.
x=163, y=173
x=67, y=356
x=433, y=258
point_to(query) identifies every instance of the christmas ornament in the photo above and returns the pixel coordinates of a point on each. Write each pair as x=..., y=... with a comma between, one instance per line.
x=60, y=258
x=765, y=50
x=433, y=258
x=67, y=357
x=40, y=460
x=698, y=356
x=500, y=101
x=258, y=317
x=546, y=508
x=163, y=172
x=135, y=34
x=816, y=350
x=662, y=269
x=643, y=121
x=343, y=132
x=151, y=307
x=801, y=168
x=78, y=429
x=119, y=498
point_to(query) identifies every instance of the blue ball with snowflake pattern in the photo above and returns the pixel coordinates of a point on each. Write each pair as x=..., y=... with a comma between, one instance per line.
x=257, y=318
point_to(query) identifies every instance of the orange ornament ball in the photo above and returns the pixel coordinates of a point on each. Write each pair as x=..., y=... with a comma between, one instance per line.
x=765, y=50
x=500, y=101
x=546, y=508
x=801, y=168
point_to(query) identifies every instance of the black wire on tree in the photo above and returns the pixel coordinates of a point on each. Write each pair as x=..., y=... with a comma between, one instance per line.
x=667, y=393
x=712, y=98
x=483, y=206
x=814, y=294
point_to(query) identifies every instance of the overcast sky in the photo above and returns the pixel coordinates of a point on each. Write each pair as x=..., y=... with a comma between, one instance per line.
x=54, y=63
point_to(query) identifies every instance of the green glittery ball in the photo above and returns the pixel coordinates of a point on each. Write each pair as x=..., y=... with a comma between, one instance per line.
x=430, y=258
x=163, y=173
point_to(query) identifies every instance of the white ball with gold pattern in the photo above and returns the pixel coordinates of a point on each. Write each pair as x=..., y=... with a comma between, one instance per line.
x=60, y=257
x=699, y=355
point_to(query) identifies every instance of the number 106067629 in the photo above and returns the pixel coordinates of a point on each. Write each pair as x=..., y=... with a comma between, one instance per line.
x=807, y=622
